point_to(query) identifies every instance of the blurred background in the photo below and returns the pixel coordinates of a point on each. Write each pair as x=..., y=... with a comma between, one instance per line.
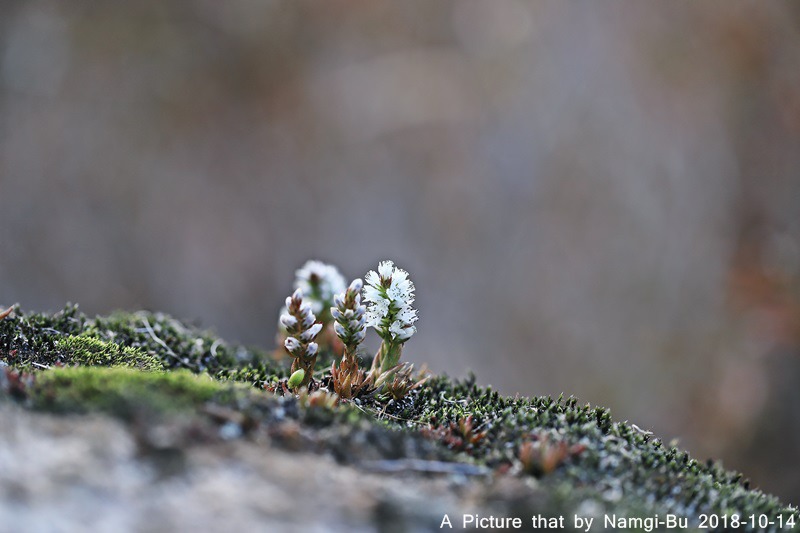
x=600, y=200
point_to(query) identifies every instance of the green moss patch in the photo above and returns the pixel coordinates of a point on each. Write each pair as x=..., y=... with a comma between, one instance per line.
x=142, y=339
x=580, y=451
x=90, y=351
x=124, y=391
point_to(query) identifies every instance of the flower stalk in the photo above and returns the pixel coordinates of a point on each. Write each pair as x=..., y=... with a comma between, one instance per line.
x=301, y=328
x=350, y=327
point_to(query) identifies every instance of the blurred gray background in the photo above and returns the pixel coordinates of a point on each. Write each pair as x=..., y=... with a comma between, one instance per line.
x=599, y=199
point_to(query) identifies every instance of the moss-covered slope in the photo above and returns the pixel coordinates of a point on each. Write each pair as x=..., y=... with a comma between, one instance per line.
x=144, y=367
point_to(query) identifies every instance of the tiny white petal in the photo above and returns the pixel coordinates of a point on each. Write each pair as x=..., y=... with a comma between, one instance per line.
x=373, y=279
x=335, y=313
x=407, y=315
x=297, y=294
x=312, y=349
x=372, y=294
x=399, y=275
x=372, y=320
x=385, y=269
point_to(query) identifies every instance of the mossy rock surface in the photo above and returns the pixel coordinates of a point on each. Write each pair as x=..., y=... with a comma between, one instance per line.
x=157, y=375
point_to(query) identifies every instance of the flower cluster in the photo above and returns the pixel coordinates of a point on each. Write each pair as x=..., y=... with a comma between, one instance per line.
x=301, y=328
x=336, y=317
x=319, y=282
x=389, y=295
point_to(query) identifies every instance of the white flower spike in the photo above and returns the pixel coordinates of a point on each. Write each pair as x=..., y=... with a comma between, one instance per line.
x=301, y=328
x=350, y=325
x=389, y=295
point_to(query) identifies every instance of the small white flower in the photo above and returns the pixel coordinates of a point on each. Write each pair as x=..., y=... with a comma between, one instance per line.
x=319, y=282
x=385, y=269
x=376, y=311
x=402, y=331
x=372, y=293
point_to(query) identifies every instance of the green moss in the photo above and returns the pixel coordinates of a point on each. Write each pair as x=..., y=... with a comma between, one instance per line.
x=89, y=351
x=612, y=463
x=37, y=340
x=125, y=392
x=591, y=457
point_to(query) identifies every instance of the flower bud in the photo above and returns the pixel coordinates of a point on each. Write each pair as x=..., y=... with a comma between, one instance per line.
x=296, y=378
x=312, y=332
x=312, y=349
x=356, y=285
x=288, y=321
x=339, y=330
x=292, y=344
